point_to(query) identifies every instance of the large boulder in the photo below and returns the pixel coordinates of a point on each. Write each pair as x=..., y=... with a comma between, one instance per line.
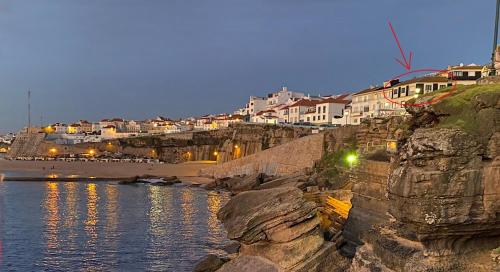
x=253, y=216
x=288, y=254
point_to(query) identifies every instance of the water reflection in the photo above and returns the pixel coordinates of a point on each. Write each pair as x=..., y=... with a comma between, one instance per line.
x=111, y=228
x=214, y=204
x=92, y=219
x=51, y=222
x=187, y=212
x=70, y=218
x=159, y=216
x=106, y=227
x=91, y=228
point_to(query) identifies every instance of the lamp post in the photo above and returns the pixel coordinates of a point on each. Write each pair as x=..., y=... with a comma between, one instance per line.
x=495, y=39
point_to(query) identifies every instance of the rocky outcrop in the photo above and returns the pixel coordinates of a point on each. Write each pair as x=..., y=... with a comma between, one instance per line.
x=247, y=263
x=443, y=191
x=279, y=225
x=209, y=264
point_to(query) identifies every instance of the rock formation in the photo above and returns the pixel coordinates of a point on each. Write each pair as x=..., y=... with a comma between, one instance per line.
x=443, y=192
x=279, y=225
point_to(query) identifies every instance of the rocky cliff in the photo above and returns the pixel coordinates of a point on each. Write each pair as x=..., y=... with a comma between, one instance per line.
x=443, y=190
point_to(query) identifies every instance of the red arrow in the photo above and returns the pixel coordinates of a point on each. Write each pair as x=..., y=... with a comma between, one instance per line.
x=406, y=64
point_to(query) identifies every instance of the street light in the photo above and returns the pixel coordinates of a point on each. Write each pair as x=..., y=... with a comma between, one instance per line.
x=352, y=159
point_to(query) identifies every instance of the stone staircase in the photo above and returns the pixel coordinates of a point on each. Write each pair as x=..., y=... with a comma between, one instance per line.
x=26, y=145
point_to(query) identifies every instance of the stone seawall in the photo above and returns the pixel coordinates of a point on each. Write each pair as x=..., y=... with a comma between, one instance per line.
x=284, y=159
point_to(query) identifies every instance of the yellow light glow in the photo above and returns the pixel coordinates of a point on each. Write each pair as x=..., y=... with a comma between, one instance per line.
x=92, y=152
x=52, y=150
x=236, y=146
x=216, y=153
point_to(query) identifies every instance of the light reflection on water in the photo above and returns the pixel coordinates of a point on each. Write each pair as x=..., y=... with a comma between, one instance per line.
x=106, y=227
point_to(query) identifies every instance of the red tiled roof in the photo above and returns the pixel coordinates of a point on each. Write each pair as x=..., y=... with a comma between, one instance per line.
x=265, y=111
x=342, y=96
x=305, y=103
x=335, y=101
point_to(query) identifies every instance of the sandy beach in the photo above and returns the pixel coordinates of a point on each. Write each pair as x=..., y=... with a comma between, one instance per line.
x=185, y=171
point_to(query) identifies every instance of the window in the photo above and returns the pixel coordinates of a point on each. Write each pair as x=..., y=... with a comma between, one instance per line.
x=324, y=117
x=319, y=109
x=324, y=109
x=428, y=88
x=442, y=86
x=308, y=119
x=458, y=73
x=314, y=118
x=366, y=109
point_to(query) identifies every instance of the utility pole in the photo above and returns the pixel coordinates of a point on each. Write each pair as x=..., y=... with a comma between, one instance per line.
x=29, y=111
x=495, y=40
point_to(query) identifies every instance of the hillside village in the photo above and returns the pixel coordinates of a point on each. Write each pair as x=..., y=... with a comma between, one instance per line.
x=282, y=107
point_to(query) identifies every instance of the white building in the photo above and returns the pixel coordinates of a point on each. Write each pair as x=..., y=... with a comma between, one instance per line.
x=60, y=128
x=256, y=104
x=282, y=97
x=328, y=109
x=266, y=117
x=297, y=111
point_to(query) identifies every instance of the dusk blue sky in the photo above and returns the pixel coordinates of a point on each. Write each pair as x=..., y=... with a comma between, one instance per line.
x=92, y=59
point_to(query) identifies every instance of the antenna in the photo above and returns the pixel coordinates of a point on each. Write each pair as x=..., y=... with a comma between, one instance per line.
x=495, y=39
x=29, y=111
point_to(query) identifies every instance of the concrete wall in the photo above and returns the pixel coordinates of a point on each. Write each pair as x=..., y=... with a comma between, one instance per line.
x=280, y=160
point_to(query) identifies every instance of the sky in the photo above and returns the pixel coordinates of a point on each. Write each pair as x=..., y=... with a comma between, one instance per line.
x=136, y=59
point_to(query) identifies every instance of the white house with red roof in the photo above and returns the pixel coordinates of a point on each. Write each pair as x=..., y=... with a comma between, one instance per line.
x=297, y=111
x=266, y=117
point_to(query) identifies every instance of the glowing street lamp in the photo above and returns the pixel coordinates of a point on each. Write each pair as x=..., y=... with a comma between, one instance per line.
x=52, y=151
x=92, y=152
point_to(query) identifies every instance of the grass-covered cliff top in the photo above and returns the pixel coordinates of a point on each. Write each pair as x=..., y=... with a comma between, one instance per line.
x=471, y=108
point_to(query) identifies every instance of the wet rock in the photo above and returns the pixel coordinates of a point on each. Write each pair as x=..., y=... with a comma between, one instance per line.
x=231, y=248
x=246, y=263
x=210, y=263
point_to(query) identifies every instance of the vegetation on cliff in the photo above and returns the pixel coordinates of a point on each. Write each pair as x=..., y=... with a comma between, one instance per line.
x=470, y=108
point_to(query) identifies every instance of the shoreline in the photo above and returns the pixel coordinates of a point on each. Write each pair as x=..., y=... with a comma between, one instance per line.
x=97, y=171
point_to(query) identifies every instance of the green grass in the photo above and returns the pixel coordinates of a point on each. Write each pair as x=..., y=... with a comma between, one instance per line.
x=459, y=110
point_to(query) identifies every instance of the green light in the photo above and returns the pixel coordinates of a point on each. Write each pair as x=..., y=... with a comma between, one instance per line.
x=351, y=159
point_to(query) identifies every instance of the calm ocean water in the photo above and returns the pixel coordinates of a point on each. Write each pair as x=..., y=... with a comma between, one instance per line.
x=48, y=226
